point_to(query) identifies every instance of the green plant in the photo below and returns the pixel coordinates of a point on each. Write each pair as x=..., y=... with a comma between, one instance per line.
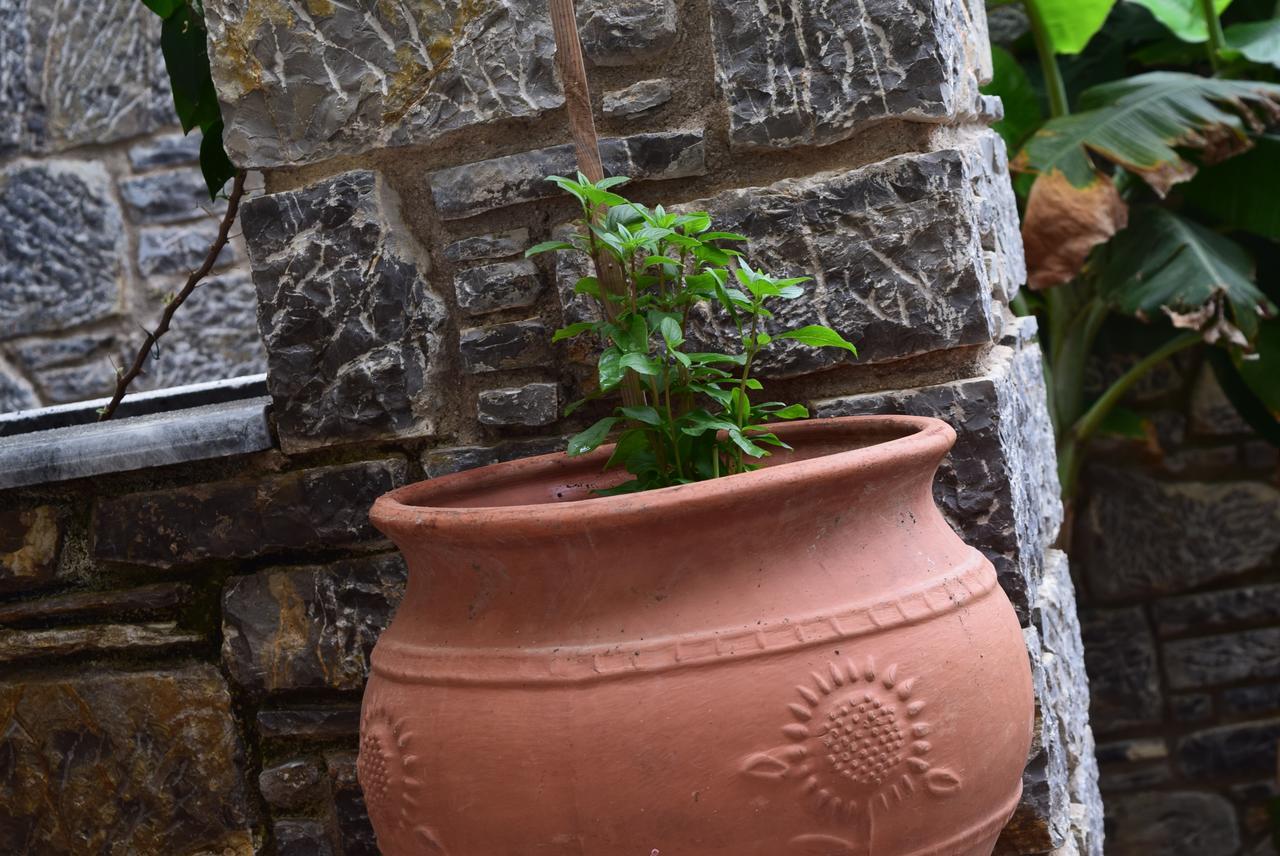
x=686, y=415
x=1154, y=200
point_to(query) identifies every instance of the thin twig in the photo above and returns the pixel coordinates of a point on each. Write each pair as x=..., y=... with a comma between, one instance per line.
x=153, y=336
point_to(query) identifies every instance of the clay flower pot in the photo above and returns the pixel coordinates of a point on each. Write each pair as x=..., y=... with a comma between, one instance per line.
x=804, y=659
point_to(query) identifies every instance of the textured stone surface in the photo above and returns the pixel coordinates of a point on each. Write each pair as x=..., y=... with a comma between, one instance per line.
x=168, y=197
x=499, y=347
x=302, y=81
x=622, y=32
x=1124, y=679
x=1243, y=750
x=494, y=287
x=464, y=191
x=494, y=245
x=1178, y=535
x=300, y=837
x=291, y=784
x=442, y=462
x=315, y=723
x=1211, y=412
x=349, y=808
x=310, y=509
x=351, y=326
x=308, y=628
x=16, y=393
x=1222, y=659
x=29, y=542
x=1249, y=701
x=999, y=485
x=122, y=762
x=812, y=72
x=180, y=249
x=1179, y=823
x=163, y=150
x=895, y=250
x=19, y=645
x=124, y=603
x=62, y=245
x=532, y=404
x=637, y=98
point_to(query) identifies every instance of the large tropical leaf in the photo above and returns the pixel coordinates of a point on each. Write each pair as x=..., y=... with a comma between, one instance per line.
x=1258, y=41
x=1022, y=113
x=1063, y=223
x=1166, y=264
x=1261, y=369
x=1184, y=18
x=1241, y=193
x=1071, y=23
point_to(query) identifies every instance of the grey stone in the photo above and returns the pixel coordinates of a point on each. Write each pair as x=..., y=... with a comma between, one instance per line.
x=169, y=197
x=161, y=150
x=474, y=188
x=292, y=784
x=1190, y=707
x=499, y=347
x=307, y=81
x=301, y=837
x=896, y=275
x=47, y=353
x=19, y=645
x=1134, y=777
x=499, y=286
x=1177, y=535
x=180, y=249
x=1205, y=463
x=532, y=404
x=309, y=628
x=1133, y=750
x=62, y=245
x=1250, y=701
x=495, y=245
x=442, y=462
x=30, y=540
x=622, y=32
x=814, y=72
x=16, y=393
x=1007, y=24
x=637, y=98
x=1227, y=658
x=349, y=810
x=93, y=379
x=241, y=518
x=135, y=443
x=1259, y=457
x=998, y=486
x=1171, y=823
x=333, y=721
x=1124, y=679
x=1245, y=749
x=145, y=600
x=1211, y=412
x=351, y=326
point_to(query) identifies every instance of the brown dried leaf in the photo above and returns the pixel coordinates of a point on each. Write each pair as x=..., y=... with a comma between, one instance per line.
x=1063, y=223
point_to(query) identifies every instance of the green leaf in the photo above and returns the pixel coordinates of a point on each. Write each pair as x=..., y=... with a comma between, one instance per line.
x=164, y=8
x=1243, y=396
x=1022, y=113
x=1183, y=18
x=1261, y=369
x=1123, y=422
x=723, y=236
x=182, y=41
x=1241, y=192
x=546, y=247
x=612, y=181
x=588, y=285
x=1258, y=41
x=631, y=444
x=1163, y=264
x=817, y=336
x=639, y=363
x=573, y=330
x=671, y=334
x=794, y=411
x=609, y=368
x=1071, y=23
x=215, y=166
x=647, y=415
x=581, y=443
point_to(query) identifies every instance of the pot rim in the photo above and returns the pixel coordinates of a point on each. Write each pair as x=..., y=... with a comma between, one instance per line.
x=408, y=509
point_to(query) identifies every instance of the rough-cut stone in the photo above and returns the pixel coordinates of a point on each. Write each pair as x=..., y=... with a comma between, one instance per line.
x=62, y=245
x=495, y=245
x=1212, y=413
x=532, y=404
x=1191, y=707
x=302, y=81
x=1178, y=535
x=622, y=32
x=999, y=485
x=241, y=518
x=494, y=287
x=442, y=462
x=1223, y=659
x=46, y=353
x=309, y=628
x=895, y=249
x=500, y=347
x=1251, y=700
x=349, y=808
x=1215, y=609
x=1242, y=750
x=1124, y=679
x=16, y=393
x=180, y=249
x=124, y=603
x=301, y=837
x=1176, y=823
x=122, y=762
x=163, y=150
x=29, y=542
x=168, y=197
x=314, y=723
x=292, y=784
x=464, y=191
x=351, y=326
x=816, y=71
x=18, y=645
x=637, y=98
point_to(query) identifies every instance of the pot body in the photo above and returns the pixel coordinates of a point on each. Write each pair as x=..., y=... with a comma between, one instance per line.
x=804, y=659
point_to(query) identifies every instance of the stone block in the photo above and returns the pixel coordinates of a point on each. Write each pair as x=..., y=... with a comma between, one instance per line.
x=1226, y=658
x=291, y=784
x=30, y=539
x=1177, y=535
x=1190, y=707
x=499, y=286
x=21, y=645
x=533, y=404
x=442, y=462
x=301, y=837
x=1171, y=823
x=623, y=32
x=161, y=744
x=998, y=487
x=811, y=72
x=1241, y=751
x=637, y=98
x=43, y=353
x=16, y=392
x=163, y=150
x=500, y=347
x=1250, y=701
x=180, y=249
x=245, y=517
x=1124, y=679
x=308, y=628
x=495, y=245
x=144, y=600
x=1216, y=609
x=349, y=810
x=351, y=326
x=62, y=245
x=169, y=197
x=474, y=188
x=306, y=81
x=896, y=251
x=330, y=722
x=1211, y=412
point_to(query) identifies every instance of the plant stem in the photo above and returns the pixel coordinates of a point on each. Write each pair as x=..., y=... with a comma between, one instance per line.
x=1053, y=82
x=1217, y=39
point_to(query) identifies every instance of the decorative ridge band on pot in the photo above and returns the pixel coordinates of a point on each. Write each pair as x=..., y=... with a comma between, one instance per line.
x=423, y=664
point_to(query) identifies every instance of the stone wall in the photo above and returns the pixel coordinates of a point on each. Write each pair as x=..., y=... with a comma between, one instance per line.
x=1178, y=541
x=103, y=212
x=403, y=150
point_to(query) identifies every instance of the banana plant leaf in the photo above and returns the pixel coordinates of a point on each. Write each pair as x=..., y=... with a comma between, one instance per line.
x=1241, y=193
x=1183, y=18
x=1072, y=23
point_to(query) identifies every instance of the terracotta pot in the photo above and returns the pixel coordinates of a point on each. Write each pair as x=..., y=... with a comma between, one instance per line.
x=804, y=659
